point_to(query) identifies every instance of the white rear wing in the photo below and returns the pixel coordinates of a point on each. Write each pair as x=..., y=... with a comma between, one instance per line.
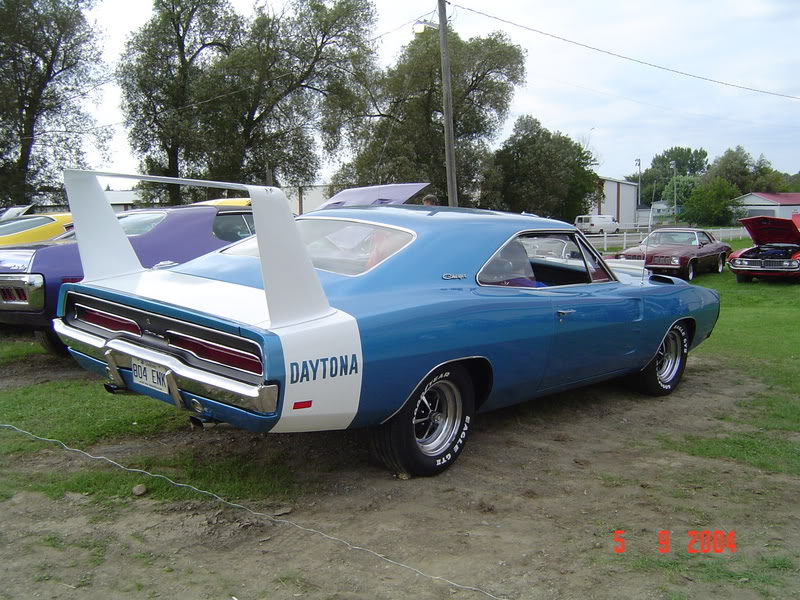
x=291, y=286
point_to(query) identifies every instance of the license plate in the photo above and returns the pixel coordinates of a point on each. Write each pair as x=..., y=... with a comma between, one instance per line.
x=149, y=375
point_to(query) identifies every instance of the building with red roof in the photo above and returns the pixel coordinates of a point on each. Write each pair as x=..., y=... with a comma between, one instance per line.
x=771, y=205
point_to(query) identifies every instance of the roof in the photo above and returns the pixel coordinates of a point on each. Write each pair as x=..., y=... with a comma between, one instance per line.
x=784, y=198
x=617, y=180
x=435, y=217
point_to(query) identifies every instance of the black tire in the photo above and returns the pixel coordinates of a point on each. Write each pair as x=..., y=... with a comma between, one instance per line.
x=48, y=340
x=744, y=278
x=690, y=271
x=429, y=432
x=720, y=264
x=662, y=374
x=616, y=231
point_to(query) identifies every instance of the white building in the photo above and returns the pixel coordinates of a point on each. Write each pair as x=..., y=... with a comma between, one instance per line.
x=770, y=205
x=619, y=201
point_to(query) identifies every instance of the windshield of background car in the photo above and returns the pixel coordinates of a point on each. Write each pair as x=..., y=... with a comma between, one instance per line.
x=671, y=238
x=343, y=247
x=132, y=224
x=22, y=224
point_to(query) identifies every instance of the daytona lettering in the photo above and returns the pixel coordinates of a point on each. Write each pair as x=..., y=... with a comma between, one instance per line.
x=323, y=368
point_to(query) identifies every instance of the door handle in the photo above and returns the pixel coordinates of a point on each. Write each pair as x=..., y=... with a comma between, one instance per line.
x=563, y=313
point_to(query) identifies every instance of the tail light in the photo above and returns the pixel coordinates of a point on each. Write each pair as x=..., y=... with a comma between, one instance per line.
x=71, y=279
x=203, y=349
x=106, y=320
x=14, y=294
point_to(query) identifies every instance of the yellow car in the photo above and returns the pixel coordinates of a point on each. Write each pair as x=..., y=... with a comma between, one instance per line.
x=33, y=228
x=227, y=202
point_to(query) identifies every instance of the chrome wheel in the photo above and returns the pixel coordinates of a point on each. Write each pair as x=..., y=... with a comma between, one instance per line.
x=668, y=359
x=721, y=264
x=690, y=271
x=437, y=417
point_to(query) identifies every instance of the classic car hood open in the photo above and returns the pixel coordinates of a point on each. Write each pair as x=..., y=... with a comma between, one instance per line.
x=771, y=230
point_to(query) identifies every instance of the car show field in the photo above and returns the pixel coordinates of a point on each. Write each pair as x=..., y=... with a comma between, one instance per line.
x=531, y=509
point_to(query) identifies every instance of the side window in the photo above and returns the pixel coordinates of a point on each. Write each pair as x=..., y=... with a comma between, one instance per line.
x=540, y=260
x=704, y=238
x=248, y=218
x=230, y=227
x=597, y=271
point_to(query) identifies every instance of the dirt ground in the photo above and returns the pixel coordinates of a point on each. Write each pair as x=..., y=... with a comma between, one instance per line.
x=528, y=511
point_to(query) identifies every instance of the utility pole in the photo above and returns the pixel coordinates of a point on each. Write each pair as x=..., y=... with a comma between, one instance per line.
x=447, y=91
x=639, y=191
x=674, y=165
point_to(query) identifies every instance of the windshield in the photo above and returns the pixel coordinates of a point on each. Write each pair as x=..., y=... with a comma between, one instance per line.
x=671, y=238
x=343, y=247
x=132, y=224
x=22, y=224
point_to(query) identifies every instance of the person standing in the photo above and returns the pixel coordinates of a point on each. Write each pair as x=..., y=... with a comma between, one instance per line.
x=430, y=200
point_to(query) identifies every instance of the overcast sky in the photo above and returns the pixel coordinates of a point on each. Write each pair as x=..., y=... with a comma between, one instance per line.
x=621, y=109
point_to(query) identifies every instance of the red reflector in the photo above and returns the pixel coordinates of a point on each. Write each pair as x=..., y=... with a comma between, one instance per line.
x=107, y=320
x=302, y=404
x=230, y=357
x=71, y=279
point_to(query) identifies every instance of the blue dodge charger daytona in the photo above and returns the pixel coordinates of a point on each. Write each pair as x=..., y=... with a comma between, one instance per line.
x=406, y=320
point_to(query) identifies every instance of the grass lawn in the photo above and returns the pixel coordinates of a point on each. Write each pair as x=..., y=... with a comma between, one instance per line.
x=759, y=332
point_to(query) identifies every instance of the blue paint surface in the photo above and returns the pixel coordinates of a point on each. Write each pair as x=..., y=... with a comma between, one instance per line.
x=413, y=317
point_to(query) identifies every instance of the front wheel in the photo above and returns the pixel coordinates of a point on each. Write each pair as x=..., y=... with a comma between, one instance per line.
x=690, y=271
x=429, y=432
x=662, y=374
x=721, y=263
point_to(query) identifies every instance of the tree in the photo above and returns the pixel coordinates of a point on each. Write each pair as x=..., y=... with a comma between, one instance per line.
x=161, y=74
x=49, y=64
x=738, y=167
x=538, y=171
x=288, y=72
x=655, y=177
x=713, y=202
x=400, y=135
x=680, y=187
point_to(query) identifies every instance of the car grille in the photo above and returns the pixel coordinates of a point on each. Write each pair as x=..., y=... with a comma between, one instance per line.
x=201, y=347
x=634, y=256
x=766, y=263
x=662, y=260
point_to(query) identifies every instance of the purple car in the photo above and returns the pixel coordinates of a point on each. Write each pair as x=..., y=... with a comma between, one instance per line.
x=31, y=274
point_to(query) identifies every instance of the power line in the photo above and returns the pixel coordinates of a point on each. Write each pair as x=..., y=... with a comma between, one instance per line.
x=628, y=58
x=419, y=18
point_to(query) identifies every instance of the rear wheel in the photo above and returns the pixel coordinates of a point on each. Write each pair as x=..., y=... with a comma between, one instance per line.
x=744, y=278
x=662, y=374
x=721, y=263
x=429, y=432
x=48, y=339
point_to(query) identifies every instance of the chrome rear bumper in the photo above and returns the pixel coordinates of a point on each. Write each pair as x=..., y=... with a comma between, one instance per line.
x=117, y=354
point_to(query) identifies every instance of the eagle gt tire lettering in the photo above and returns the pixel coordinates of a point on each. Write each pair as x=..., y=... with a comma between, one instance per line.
x=662, y=374
x=426, y=436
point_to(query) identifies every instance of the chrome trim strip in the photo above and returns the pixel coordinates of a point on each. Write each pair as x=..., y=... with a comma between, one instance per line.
x=117, y=354
x=447, y=362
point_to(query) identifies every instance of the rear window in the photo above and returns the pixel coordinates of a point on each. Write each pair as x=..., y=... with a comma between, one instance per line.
x=23, y=224
x=132, y=224
x=343, y=247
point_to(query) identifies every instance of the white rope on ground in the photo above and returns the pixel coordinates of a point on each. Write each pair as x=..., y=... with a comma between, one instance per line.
x=256, y=513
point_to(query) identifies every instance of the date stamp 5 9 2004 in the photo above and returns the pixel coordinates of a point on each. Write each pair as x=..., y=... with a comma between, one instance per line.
x=699, y=542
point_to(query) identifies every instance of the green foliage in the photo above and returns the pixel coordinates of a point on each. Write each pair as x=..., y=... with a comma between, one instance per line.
x=400, y=135
x=738, y=167
x=49, y=65
x=541, y=172
x=713, y=202
x=160, y=74
x=14, y=351
x=656, y=177
x=679, y=187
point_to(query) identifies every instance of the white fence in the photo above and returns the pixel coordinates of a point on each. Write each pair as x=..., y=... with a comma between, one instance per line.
x=626, y=239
